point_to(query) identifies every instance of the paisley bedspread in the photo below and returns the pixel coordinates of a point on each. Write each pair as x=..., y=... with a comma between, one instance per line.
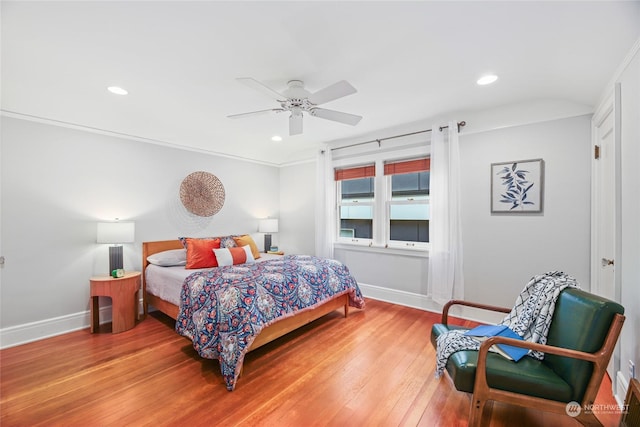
x=222, y=310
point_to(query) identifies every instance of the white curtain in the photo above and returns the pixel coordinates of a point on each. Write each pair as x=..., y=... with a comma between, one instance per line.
x=445, y=277
x=325, y=202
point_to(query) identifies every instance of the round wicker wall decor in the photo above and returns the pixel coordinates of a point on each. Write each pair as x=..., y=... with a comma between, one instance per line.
x=202, y=193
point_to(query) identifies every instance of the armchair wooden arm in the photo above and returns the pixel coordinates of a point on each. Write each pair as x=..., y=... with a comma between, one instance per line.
x=447, y=306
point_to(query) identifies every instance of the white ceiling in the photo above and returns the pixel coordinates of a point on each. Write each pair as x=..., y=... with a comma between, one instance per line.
x=408, y=60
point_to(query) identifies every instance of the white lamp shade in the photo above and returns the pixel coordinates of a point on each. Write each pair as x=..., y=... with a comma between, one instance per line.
x=268, y=225
x=116, y=232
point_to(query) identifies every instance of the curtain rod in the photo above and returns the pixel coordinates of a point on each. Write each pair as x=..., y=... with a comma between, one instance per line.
x=379, y=140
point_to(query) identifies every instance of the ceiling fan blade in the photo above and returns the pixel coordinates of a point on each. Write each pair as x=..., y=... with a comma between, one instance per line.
x=335, y=91
x=255, y=113
x=253, y=83
x=336, y=116
x=295, y=124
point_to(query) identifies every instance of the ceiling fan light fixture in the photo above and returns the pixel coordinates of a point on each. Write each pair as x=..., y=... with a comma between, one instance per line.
x=276, y=138
x=487, y=79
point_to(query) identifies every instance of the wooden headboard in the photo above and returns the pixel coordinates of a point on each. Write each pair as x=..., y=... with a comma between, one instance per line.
x=150, y=248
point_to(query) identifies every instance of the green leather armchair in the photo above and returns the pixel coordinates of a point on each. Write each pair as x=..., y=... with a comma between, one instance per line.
x=581, y=339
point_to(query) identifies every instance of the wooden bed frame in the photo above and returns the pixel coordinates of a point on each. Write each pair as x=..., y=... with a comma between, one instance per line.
x=268, y=334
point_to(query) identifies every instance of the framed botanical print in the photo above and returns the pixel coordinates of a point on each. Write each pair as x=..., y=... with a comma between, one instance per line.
x=517, y=187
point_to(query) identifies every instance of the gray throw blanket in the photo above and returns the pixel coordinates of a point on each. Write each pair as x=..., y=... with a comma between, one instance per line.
x=530, y=317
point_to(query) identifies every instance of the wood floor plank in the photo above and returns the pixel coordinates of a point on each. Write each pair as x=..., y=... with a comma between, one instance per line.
x=374, y=368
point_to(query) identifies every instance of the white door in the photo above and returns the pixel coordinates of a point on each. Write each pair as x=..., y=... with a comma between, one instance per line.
x=604, y=209
x=604, y=202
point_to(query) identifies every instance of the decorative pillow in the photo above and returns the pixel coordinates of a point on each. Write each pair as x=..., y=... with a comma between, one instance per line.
x=233, y=256
x=248, y=240
x=228, y=242
x=200, y=253
x=169, y=258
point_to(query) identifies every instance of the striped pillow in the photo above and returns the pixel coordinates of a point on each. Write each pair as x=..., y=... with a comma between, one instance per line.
x=234, y=256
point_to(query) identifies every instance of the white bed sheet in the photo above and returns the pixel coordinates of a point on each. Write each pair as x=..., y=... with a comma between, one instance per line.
x=166, y=282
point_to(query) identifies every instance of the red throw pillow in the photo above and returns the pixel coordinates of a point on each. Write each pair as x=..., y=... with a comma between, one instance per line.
x=200, y=253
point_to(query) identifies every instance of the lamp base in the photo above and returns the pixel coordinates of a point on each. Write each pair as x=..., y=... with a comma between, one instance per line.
x=267, y=242
x=116, y=259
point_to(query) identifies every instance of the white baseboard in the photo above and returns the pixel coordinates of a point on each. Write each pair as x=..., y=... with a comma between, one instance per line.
x=424, y=302
x=394, y=296
x=35, y=331
x=621, y=387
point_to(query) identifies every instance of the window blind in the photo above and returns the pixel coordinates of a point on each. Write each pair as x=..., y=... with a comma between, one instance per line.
x=407, y=166
x=368, y=171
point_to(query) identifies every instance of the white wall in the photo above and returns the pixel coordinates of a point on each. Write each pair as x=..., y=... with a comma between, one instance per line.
x=389, y=275
x=502, y=251
x=57, y=183
x=297, y=209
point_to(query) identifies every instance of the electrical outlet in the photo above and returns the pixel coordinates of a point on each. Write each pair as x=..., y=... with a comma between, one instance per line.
x=632, y=369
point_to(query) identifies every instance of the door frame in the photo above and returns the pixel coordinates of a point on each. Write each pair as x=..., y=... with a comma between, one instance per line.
x=610, y=105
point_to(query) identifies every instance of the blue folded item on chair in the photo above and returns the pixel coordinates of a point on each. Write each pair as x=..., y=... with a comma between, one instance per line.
x=483, y=332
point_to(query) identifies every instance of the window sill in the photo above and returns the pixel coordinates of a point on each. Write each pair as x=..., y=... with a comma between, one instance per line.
x=414, y=252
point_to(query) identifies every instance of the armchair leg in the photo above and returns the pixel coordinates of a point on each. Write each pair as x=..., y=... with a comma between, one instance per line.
x=476, y=411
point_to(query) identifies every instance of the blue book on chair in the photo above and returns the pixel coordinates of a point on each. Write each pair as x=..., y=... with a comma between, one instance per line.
x=482, y=332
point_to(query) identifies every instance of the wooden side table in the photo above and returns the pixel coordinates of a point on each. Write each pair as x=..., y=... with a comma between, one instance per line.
x=124, y=302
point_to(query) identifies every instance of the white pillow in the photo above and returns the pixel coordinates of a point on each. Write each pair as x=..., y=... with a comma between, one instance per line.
x=169, y=258
x=233, y=256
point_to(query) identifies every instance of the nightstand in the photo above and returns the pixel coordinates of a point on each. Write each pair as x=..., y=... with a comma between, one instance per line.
x=124, y=302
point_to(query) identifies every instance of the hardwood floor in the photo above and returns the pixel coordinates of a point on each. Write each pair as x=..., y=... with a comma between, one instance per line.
x=374, y=368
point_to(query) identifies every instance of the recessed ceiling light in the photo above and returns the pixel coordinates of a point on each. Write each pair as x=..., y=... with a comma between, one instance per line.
x=276, y=138
x=117, y=90
x=488, y=79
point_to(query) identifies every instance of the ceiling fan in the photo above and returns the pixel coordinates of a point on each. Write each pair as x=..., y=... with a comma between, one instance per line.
x=297, y=100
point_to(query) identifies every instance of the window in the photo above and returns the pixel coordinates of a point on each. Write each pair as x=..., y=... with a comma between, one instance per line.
x=408, y=202
x=385, y=204
x=356, y=201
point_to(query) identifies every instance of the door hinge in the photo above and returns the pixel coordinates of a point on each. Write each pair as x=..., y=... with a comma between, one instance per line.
x=596, y=152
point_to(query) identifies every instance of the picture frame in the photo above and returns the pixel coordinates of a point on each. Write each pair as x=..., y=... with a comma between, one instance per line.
x=517, y=187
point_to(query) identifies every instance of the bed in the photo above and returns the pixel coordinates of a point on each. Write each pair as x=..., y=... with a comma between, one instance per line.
x=207, y=297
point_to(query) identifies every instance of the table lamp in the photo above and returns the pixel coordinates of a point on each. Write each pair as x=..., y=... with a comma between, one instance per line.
x=268, y=226
x=116, y=233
